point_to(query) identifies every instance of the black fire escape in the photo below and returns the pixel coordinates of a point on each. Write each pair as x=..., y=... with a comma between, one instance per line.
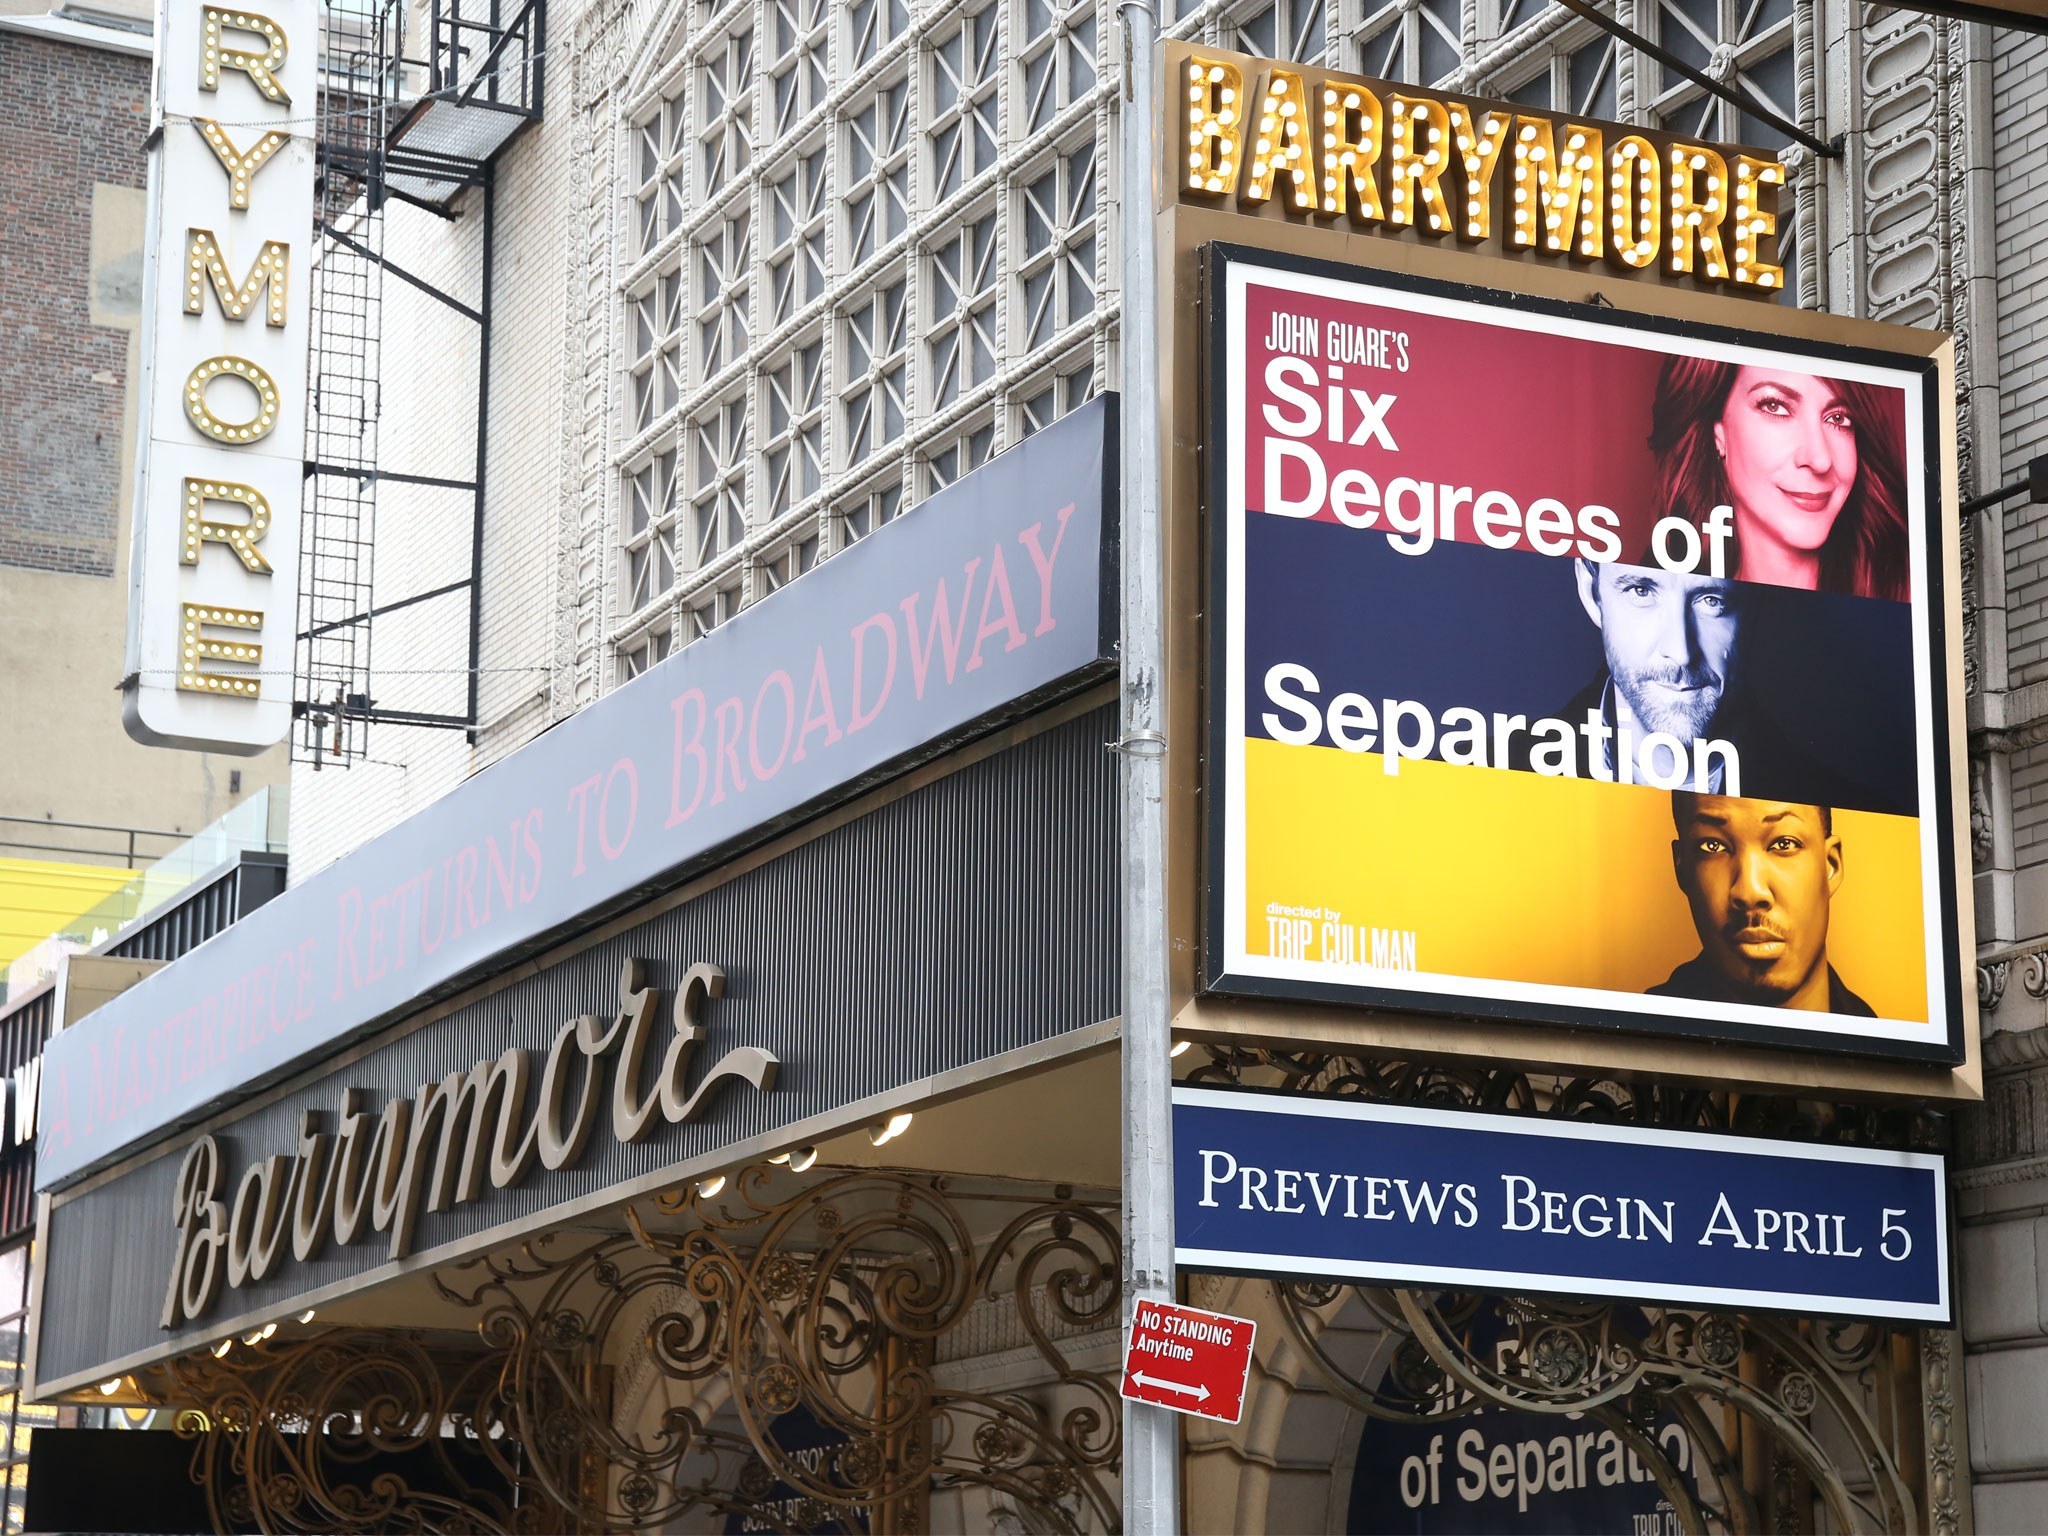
x=395, y=127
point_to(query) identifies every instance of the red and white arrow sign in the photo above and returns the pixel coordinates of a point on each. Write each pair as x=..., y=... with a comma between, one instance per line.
x=1188, y=1360
x=1199, y=1393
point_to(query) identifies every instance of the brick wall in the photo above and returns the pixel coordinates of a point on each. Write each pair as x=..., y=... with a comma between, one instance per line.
x=522, y=565
x=2020, y=183
x=427, y=428
x=61, y=377
x=1999, y=1229
x=2020, y=176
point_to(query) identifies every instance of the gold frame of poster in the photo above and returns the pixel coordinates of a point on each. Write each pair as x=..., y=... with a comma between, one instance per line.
x=1562, y=1041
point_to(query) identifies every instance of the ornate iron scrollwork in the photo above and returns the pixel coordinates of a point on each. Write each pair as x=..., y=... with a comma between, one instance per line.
x=838, y=1301
x=856, y=1306
x=621, y=1382
x=350, y=1430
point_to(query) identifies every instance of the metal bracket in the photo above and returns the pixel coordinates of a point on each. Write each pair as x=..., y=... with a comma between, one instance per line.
x=1735, y=94
x=2035, y=485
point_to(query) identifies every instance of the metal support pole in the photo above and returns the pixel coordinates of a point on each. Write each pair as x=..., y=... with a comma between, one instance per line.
x=1151, y=1435
x=483, y=443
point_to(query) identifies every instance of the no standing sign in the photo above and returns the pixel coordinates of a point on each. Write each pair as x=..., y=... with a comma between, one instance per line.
x=1188, y=1360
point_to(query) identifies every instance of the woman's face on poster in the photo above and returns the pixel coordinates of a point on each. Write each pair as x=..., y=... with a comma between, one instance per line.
x=1788, y=447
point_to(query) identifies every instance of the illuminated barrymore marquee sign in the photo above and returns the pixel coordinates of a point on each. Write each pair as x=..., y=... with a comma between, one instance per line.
x=220, y=459
x=1391, y=159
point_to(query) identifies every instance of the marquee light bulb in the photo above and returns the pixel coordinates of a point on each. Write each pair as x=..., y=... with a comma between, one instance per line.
x=1351, y=148
x=197, y=647
x=1213, y=117
x=1283, y=143
x=213, y=425
x=1752, y=223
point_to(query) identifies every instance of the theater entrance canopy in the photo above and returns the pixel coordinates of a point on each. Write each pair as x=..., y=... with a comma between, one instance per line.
x=669, y=939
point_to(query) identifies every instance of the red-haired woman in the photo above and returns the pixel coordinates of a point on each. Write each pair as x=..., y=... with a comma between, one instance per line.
x=1813, y=467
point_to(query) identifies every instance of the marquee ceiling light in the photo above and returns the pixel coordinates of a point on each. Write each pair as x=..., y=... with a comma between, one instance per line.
x=708, y=1188
x=306, y=1316
x=110, y=1386
x=889, y=1129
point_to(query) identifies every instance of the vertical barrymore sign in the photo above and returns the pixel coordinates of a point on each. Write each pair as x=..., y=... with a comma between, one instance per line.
x=213, y=590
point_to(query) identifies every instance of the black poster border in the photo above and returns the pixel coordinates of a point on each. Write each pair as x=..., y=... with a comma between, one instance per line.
x=1217, y=257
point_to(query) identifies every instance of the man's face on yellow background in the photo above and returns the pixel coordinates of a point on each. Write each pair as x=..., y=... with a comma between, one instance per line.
x=1758, y=875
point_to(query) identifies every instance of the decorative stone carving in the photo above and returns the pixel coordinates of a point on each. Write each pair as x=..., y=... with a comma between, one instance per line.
x=1972, y=606
x=1991, y=979
x=1947, y=1475
x=1911, y=194
x=1904, y=184
x=2012, y=1122
x=1982, y=841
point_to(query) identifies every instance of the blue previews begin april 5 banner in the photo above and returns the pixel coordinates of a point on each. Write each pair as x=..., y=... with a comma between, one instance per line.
x=1398, y=1195
x=1575, y=667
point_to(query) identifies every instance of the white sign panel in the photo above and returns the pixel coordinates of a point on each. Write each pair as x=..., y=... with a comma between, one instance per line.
x=213, y=603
